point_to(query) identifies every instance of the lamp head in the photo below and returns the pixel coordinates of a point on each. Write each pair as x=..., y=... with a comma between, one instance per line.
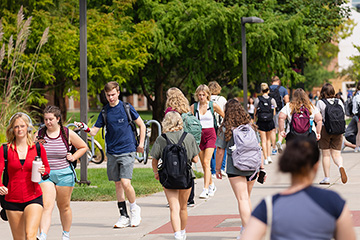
x=251, y=20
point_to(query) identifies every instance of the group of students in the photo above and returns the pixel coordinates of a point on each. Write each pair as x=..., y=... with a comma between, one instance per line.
x=29, y=205
x=300, y=158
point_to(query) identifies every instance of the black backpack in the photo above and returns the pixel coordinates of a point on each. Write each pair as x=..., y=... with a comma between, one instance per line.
x=130, y=120
x=334, y=118
x=348, y=107
x=5, y=178
x=174, y=171
x=264, y=111
x=275, y=94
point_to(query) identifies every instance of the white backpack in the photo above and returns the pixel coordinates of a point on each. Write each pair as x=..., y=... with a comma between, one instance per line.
x=246, y=153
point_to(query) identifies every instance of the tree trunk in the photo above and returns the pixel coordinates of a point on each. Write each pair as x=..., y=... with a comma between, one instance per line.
x=59, y=99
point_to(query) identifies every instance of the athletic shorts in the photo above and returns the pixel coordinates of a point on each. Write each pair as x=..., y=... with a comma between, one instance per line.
x=265, y=126
x=247, y=177
x=351, y=139
x=208, y=138
x=13, y=206
x=120, y=166
x=62, y=177
x=276, y=119
x=329, y=141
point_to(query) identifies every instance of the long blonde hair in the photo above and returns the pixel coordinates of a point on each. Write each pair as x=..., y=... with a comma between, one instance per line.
x=172, y=122
x=177, y=100
x=10, y=136
x=300, y=98
x=203, y=88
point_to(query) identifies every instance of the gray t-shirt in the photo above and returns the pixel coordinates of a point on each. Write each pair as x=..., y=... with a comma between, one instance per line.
x=192, y=148
x=230, y=169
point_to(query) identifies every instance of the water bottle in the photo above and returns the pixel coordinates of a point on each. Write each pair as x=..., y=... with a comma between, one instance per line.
x=35, y=174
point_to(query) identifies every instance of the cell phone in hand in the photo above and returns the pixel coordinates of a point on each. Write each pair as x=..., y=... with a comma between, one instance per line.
x=261, y=177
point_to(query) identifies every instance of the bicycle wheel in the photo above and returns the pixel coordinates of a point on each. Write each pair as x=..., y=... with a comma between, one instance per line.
x=98, y=153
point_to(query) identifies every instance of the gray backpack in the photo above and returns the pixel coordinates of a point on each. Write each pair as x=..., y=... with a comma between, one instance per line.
x=247, y=154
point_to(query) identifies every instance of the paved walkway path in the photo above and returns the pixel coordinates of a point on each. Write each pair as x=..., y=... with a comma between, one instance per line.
x=214, y=218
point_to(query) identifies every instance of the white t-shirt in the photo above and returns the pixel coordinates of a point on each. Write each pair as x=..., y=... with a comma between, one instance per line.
x=321, y=105
x=221, y=101
x=287, y=111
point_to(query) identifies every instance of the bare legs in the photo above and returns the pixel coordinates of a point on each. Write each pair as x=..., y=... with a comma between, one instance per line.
x=124, y=187
x=265, y=143
x=205, y=158
x=177, y=200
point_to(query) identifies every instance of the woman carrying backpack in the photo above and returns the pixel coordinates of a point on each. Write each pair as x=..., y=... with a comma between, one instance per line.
x=241, y=182
x=306, y=114
x=204, y=110
x=60, y=184
x=176, y=101
x=177, y=198
x=356, y=112
x=264, y=115
x=330, y=144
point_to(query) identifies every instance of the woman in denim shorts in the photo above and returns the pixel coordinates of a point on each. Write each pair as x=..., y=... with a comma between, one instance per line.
x=60, y=184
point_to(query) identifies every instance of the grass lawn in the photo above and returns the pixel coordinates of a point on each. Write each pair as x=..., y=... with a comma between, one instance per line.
x=101, y=189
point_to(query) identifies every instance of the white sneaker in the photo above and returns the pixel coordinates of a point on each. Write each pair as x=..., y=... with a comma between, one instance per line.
x=135, y=215
x=65, y=236
x=356, y=149
x=204, y=194
x=223, y=173
x=266, y=162
x=325, y=181
x=212, y=190
x=123, y=222
x=213, y=176
x=269, y=159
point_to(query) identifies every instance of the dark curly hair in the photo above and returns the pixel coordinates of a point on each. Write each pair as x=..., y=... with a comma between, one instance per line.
x=235, y=115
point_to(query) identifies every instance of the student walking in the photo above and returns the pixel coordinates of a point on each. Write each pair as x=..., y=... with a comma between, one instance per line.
x=23, y=197
x=264, y=116
x=57, y=141
x=301, y=115
x=241, y=181
x=302, y=211
x=215, y=90
x=121, y=148
x=281, y=96
x=204, y=110
x=330, y=143
x=356, y=112
x=176, y=192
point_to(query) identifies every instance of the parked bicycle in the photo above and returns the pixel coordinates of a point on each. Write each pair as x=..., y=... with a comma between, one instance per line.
x=144, y=157
x=95, y=153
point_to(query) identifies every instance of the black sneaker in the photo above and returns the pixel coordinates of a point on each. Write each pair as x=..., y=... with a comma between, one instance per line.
x=191, y=204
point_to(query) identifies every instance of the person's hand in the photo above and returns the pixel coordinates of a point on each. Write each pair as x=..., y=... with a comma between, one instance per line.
x=218, y=174
x=83, y=126
x=70, y=157
x=3, y=190
x=156, y=175
x=140, y=148
x=283, y=133
x=318, y=136
x=41, y=169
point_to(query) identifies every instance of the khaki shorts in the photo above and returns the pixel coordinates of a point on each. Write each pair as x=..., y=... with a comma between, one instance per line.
x=120, y=166
x=329, y=141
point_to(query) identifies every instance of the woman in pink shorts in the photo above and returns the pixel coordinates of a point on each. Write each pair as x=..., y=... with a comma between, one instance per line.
x=204, y=110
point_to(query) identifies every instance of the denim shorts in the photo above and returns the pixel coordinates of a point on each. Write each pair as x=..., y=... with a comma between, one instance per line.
x=62, y=177
x=120, y=166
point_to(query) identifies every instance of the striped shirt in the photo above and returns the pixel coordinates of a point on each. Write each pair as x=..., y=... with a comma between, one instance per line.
x=56, y=152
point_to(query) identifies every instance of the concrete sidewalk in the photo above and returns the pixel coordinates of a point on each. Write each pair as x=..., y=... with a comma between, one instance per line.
x=214, y=218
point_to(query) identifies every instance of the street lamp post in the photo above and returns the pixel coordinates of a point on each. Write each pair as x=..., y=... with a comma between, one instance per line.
x=243, y=47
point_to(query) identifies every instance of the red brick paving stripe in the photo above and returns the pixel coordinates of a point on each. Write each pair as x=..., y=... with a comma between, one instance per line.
x=206, y=223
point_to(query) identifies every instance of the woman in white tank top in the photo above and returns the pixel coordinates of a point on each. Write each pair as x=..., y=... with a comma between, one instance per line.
x=208, y=134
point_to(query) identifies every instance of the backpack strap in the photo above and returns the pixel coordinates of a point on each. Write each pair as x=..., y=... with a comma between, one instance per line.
x=182, y=138
x=5, y=179
x=104, y=116
x=166, y=138
x=38, y=149
x=278, y=88
x=211, y=106
x=65, y=138
x=131, y=121
x=196, y=112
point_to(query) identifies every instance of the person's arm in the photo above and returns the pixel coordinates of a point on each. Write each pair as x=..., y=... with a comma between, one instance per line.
x=254, y=230
x=192, y=109
x=218, y=109
x=286, y=98
x=91, y=131
x=154, y=163
x=318, y=120
x=282, y=118
x=219, y=158
x=142, y=127
x=344, y=226
x=80, y=145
